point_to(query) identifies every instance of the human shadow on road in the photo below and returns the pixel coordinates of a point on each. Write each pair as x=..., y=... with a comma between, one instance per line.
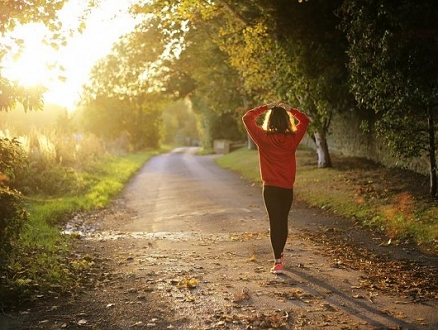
x=357, y=307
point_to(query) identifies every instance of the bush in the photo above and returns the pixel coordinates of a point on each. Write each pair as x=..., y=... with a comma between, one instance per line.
x=12, y=218
x=13, y=214
x=11, y=159
x=49, y=180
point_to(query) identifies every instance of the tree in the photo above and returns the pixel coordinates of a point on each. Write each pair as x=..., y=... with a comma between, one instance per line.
x=13, y=215
x=293, y=51
x=217, y=89
x=184, y=62
x=10, y=93
x=179, y=124
x=282, y=50
x=20, y=12
x=392, y=59
x=15, y=12
x=124, y=92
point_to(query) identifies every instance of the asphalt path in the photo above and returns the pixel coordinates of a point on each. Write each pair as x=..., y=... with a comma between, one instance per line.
x=186, y=246
x=180, y=191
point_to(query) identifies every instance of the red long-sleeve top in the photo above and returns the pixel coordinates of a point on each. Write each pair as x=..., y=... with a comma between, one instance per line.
x=276, y=151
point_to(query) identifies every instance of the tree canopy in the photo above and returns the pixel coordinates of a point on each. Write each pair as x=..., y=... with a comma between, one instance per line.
x=393, y=48
x=324, y=57
x=124, y=89
x=285, y=50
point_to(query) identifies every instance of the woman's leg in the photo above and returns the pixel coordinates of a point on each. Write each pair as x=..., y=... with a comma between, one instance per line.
x=278, y=202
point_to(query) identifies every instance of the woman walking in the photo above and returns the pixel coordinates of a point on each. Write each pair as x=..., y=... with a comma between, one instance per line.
x=277, y=141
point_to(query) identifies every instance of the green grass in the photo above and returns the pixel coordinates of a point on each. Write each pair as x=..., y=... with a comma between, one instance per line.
x=390, y=200
x=42, y=263
x=104, y=180
x=242, y=161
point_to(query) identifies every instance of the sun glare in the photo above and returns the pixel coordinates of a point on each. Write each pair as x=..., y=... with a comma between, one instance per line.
x=64, y=71
x=29, y=67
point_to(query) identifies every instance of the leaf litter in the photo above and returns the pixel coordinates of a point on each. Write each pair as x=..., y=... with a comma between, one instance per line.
x=410, y=279
x=147, y=279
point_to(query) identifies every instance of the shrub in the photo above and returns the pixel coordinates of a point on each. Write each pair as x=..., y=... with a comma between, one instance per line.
x=11, y=159
x=12, y=218
x=49, y=180
x=13, y=214
x=55, y=161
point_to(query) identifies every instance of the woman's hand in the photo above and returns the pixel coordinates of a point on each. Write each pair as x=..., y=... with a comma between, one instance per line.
x=285, y=106
x=271, y=105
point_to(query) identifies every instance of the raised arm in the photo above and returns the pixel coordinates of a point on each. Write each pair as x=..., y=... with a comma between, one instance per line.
x=249, y=120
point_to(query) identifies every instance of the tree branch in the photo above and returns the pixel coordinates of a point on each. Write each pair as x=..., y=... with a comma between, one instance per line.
x=233, y=12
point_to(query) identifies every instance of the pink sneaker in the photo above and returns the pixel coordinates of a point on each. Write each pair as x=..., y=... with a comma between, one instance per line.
x=277, y=269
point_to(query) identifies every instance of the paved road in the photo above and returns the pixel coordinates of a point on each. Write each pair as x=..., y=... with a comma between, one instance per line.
x=180, y=191
x=186, y=246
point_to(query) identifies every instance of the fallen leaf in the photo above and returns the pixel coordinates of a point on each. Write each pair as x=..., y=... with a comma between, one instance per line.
x=241, y=296
x=82, y=322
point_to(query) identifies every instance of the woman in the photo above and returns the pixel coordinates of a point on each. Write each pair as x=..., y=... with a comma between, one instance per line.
x=277, y=142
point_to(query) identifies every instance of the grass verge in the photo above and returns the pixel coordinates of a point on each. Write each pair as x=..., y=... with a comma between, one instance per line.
x=394, y=201
x=42, y=265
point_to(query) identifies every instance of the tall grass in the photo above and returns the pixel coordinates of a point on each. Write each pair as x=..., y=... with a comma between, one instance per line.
x=65, y=173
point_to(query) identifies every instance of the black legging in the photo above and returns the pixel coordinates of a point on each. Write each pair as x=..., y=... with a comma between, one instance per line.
x=278, y=202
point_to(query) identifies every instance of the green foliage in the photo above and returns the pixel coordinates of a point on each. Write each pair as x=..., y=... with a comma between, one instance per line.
x=41, y=262
x=238, y=53
x=11, y=159
x=22, y=12
x=105, y=117
x=53, y=160
x=218, y=90
x=290, y=51
x=179, y=124
x=13, y=214
x=393, y=63
x=133, y=124
x=196, y=67
x=122, y=98
x=12, y=218
x=31, y=98
x=49, y=180
x=79, y=174
x=393, y=49
x=226, y=126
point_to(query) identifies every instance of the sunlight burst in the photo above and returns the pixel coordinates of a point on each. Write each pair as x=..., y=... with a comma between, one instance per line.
x=63, y=71
x=31, y=66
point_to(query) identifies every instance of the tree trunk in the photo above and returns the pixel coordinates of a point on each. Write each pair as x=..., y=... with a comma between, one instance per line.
x=432, y=158
x=251, y=144
x=322, y=151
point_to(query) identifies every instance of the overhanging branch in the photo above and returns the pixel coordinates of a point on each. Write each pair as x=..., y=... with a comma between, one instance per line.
x=233, y=12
